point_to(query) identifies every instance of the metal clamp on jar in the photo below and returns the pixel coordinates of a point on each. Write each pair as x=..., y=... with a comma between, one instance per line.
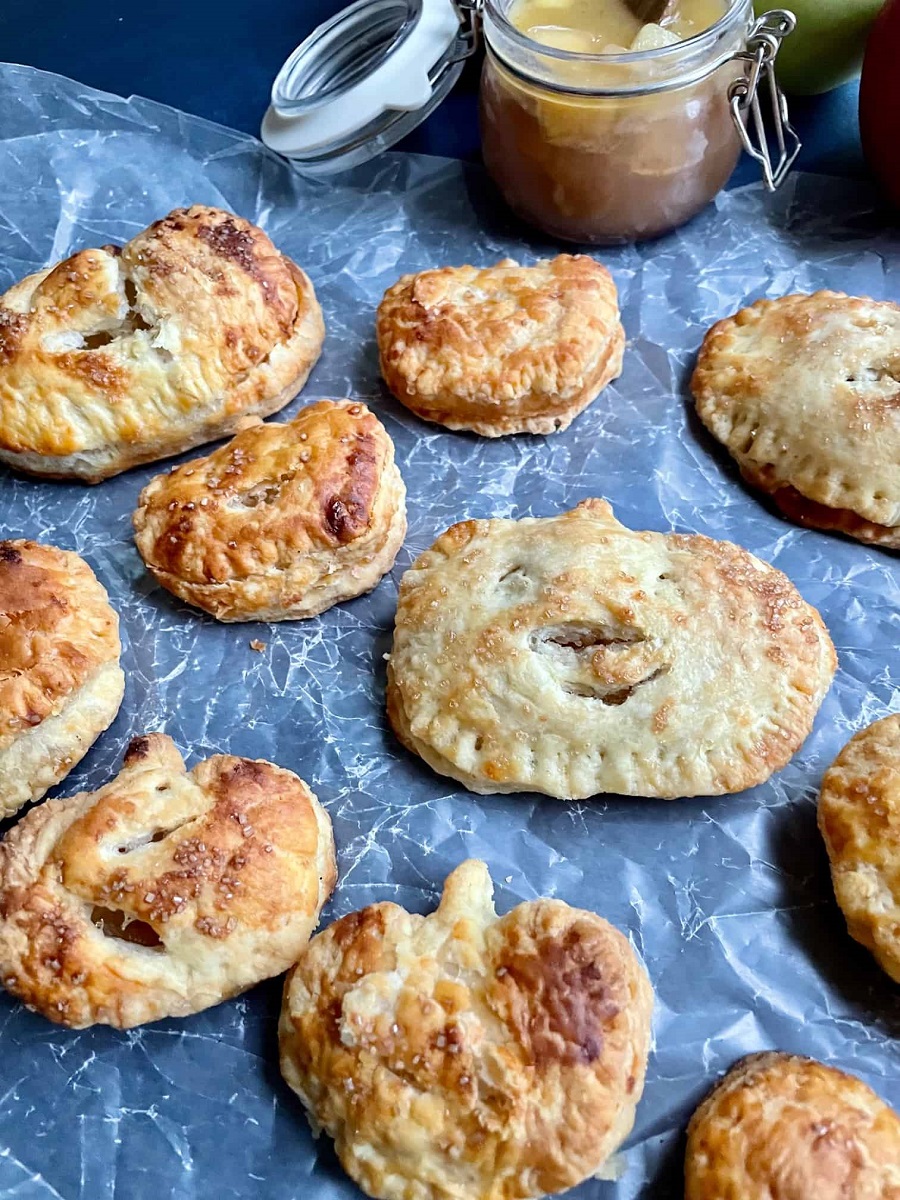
x=589, y=147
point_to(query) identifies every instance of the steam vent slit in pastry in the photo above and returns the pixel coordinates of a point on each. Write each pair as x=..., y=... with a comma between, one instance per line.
x=859, y=816
x=60, y=680
x=281, y=523
x=805, y=394
x=124, y=355
x=782, y=1127
x=164, y=892
x=502, y=349
x=468, y=1055
x=572, y=656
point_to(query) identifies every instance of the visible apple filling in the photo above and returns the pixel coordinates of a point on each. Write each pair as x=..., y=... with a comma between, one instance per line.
x=599, y=662
x=612, y=26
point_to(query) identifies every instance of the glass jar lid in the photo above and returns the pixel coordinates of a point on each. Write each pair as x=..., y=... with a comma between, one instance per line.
x=364, y=79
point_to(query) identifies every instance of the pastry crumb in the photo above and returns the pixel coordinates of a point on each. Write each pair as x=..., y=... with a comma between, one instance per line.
x=258, y=646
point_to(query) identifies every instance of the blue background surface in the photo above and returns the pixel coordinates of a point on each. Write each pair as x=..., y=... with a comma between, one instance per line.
x=218, y=60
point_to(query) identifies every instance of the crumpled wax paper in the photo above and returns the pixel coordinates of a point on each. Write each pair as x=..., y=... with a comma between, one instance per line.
x=728, y=900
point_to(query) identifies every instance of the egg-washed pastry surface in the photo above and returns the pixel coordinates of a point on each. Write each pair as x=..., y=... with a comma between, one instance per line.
x=60, y=680
x=573, y=656
x=463, y=1054
x=165, y=891
x=502, y=349
x=805, y=393
x=119, y=356
x=283, y=522
x=859, y=816
x=782, y=1127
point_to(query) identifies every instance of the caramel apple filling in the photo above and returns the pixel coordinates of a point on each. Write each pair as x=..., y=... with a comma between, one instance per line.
x=611, y=26
x=600, y=128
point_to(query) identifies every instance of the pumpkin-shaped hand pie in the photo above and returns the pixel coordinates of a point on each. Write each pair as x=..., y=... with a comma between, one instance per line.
x=783, y=1127
x=573, y=656
x=60, y=680
x=163, y=892
x=466, y=1056
x=283, y=522
x=120, y=356
x=502, y=349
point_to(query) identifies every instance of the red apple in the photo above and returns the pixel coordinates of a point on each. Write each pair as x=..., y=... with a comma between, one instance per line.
x=879, y=100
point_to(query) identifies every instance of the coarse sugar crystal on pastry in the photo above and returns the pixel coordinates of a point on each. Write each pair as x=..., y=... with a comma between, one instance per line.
x=502, y=349
x=60, y=680
x=122, y=355
x=783, y=1127
x=805, y=393
x=165, y=891
x=281, y=523
x=465, y=1055
x=571, y=655
x=859, y=816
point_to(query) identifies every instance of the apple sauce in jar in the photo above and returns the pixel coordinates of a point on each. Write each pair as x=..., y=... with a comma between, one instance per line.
x=601, y=129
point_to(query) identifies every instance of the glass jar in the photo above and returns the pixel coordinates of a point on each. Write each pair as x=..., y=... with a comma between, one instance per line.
x=610, y=148
x=591, y=148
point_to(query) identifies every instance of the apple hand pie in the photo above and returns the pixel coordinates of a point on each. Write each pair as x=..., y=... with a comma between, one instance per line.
x=283, y=522
x=502, y=349
x=859, y=816
x=805, y=394
x=164, y=892
x=123, y=355
x=573, y=656
x=463, y=1054
x=782, y=1127
x=60, y=680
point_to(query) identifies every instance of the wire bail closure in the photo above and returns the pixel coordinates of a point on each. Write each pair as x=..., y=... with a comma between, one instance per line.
x=469, y=27
x=763, y=45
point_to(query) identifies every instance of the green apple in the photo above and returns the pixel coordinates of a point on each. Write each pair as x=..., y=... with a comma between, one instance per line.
x=827, y=46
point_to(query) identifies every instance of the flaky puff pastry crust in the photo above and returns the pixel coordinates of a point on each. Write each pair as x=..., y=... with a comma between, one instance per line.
x=116, y=357
x=466, y=1056
x=782, y=1127
x=572, y=656
x=165, y=891
x=502, y=349
x=283, y=522
x=805, y=393
x=859, y=817
x=60, y=680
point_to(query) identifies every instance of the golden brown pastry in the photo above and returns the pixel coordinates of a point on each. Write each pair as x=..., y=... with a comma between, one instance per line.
x=859, y=816
x=60, y=680
x=572, y=656
x=163, y=892
x=283, y=522
x=782, y=1127
x=120, y=356
x=465, y=1055
x=805, y=392
x=502, y=349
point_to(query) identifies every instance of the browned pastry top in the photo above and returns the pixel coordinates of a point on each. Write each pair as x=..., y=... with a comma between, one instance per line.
x=163, y=892
x=119, y=355
x=56, y=629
